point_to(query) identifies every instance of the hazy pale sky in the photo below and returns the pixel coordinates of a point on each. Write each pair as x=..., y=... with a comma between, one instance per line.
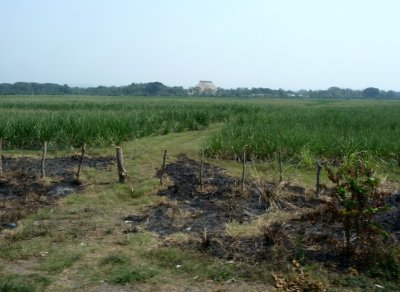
x=290, y=44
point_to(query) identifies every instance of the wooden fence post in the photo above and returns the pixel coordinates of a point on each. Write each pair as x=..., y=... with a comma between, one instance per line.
x=243, y=167
x=317, y=187
x=280, y=166
x=201, y=170
x=120, y=164
x=163, y=168
x=1, y=157
x=44, y=152
x=78, y=173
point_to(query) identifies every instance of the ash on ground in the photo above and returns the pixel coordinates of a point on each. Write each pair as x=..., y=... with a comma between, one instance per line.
x=22, y=190
x=203, y=215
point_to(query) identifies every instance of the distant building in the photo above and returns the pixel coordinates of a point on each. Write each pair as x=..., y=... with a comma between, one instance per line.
x=204, y=87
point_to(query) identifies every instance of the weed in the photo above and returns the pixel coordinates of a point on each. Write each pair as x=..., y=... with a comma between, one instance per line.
x=127, y=274
x=385, y=264
x=115, y=259
x=221, y=272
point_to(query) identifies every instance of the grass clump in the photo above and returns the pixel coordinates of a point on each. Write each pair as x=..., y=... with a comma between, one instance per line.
x=24, y=283
x=128, y=274
x=180, y=262
x=115, y=259
x=57, y=261
x=118, y=269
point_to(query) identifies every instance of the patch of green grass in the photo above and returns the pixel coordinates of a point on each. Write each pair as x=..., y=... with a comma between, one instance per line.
x=141, y=241
x=24, y=283
x=129, y=274
x=181, y=262
x=12, y=250
x=169, y=257
x=58, y=260
x=31, y=229
x=386, y=266
x=115, y=259
x=221, y=272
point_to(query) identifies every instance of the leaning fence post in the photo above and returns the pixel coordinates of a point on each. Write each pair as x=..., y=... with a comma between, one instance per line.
x=78, y=173
x=280, y=166
x=243, y=167
x=44, y=152
x=1, y=157
x=163, y=167
x=317, y=187
x=120, y=164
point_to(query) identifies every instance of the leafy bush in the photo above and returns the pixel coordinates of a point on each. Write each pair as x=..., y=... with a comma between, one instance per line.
x=356, y=198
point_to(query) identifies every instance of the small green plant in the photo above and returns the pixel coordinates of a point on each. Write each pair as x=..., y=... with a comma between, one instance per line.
x=356, y=199
x=306, y=158
x=220, y=272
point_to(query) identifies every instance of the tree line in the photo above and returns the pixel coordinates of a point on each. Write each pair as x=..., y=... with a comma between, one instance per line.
x=159, y=89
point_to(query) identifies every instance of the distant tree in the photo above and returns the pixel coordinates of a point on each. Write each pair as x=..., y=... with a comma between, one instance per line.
x=154, y=88
x=371, y=92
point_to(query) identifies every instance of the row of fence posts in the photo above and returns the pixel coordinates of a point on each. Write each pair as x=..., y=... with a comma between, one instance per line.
x=280, y=165
x=122, y=173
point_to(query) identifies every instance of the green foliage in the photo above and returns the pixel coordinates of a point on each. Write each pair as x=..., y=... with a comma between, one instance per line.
x=25, y=122
x=306, y=158
x=23, y=283
x=356, y=200
x=307, y=130
x=386, y=264
x=304, y=129
x=219, y=272
x=127, y=274
x=159, y=89
x=168, y=258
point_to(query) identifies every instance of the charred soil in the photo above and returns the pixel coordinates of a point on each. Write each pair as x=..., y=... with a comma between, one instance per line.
x=22, y=191
x=203, y=214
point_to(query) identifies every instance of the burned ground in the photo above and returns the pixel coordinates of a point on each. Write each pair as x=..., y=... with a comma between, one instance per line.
x=22, y=190
x=204, y=214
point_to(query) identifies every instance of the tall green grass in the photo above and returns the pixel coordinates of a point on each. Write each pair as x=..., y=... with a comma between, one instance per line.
x=318, y=129
x=305, y=128
x=25, y=122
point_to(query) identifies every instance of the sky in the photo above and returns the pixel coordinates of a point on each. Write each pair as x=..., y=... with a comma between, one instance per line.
x=289, y=44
